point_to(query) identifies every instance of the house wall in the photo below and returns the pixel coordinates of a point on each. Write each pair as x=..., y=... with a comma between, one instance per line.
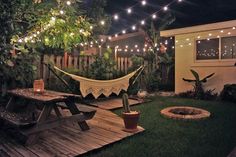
x=225, y=71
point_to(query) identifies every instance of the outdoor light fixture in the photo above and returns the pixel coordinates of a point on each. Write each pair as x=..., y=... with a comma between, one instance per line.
x=234, y=28
x=165, y=8
x=229, y=33
x=109, y=37
x=68, y=3
x=116, y=35
x=142, y=22
x=91, y=27
x=102, y=22
x=144, y=2
x=38, y=86
x=133, y=27
x=180, y=0
x=116, y=17
x=222, y=31
x=61, y=12
x=129, y=10
x=154, y=16
x=123, y=31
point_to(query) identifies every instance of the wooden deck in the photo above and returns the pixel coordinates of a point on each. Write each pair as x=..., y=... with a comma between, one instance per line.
x=69, y=140
x=115, y=103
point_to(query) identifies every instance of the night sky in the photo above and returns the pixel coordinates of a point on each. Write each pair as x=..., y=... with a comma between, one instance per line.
x=187, y=13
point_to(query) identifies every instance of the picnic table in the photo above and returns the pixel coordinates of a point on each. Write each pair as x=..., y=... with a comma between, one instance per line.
x=47, y=102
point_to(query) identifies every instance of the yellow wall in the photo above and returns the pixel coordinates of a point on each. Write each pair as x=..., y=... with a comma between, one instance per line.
x=225, y=71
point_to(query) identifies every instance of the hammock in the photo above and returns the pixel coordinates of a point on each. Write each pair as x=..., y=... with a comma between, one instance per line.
x=98, y=87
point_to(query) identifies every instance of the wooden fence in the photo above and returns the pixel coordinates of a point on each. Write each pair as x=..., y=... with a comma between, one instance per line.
x=83, y=63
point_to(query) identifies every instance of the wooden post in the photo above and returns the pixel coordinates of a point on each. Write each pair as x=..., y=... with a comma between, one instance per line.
x=65, y=59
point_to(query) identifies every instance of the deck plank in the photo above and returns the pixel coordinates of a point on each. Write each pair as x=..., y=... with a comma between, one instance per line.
x=68, y=140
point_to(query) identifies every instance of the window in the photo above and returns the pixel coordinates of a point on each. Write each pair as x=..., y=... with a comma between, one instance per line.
x=217, y=48
x=207, y=49
x=228, y=47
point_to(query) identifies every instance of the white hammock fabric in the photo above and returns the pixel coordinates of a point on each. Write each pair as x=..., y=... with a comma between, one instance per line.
x=98, y=87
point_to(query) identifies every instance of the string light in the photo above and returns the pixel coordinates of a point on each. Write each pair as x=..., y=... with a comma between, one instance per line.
x=91, y=27
x=116, y=17
x=133, y=27
x=142, y=22
x=180, y=0
x=61, y=12
x=109, y=37
x=68, y=3
x=222, y=31
x=123, y=31
x=144, y=2
x=165, y=8
x=102, y=22
x=154, y=16
x=234, y=28
x=129, y=10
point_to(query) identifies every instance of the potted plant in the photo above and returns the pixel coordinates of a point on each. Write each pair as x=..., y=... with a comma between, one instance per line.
x=130, y=117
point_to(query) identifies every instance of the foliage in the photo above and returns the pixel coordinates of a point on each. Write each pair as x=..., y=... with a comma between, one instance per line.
x=153, y=80
x=60, y=27
x=208, y=95
x=54, y=83
x=16, y=67
x=102, y=66
x=136, y=62
x=165, y=137
x=229, y=93
x=199, y=92
x=95, y=12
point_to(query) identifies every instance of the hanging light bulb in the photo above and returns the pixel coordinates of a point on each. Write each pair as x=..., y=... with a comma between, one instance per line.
x=123, y=31
x=102, y=22
x=129, y=10
x=142, y=22
x=154, y=16
x=68, y=2
x=133, y=27
x=61, y=12
x=116, y=17
x=165, y=8
x=144, y=2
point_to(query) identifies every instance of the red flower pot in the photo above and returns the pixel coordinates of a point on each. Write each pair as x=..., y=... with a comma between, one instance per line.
x=131, y=121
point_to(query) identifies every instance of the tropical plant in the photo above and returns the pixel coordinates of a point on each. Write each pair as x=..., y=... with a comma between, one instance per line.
x=125, y=102
x=102, y=66
x=198, y=84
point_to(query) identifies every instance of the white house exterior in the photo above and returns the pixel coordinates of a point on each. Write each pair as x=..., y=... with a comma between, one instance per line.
x=209, y=48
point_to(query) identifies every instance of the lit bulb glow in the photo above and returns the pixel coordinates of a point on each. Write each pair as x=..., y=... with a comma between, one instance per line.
x=133, y=27
x=116, y=17
x=129, y=10
x=102, y=22
x=165, y=8
x=144, y=2
x=154, y=16
x=68, y=3
x=142, y=22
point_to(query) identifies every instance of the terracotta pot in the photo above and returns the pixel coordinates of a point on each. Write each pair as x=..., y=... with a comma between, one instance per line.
x=131, y=121
x=142, y=94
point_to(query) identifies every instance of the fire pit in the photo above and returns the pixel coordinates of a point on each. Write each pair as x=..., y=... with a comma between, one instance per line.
x=185, y=113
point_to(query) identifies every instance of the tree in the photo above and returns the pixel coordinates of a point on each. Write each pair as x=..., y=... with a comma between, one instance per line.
x=95, y=12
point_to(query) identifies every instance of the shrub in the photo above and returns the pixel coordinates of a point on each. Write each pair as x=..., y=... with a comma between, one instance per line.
x=229, y=93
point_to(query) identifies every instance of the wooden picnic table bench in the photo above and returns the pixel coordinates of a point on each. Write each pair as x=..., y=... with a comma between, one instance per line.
x=48, y=101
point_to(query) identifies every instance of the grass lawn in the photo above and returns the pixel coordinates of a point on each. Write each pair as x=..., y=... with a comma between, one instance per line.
x=213, y=137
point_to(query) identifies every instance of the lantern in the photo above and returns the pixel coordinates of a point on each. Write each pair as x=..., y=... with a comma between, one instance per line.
x=38, y=86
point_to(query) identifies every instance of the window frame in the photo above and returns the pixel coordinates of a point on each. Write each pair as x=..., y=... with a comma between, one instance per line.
x=220, y=51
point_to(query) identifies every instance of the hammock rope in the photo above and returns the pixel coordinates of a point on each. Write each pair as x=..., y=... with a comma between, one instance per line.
x=98, y=87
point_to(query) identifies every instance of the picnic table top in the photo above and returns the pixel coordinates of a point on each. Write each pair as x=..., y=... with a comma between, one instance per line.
x=46, y=96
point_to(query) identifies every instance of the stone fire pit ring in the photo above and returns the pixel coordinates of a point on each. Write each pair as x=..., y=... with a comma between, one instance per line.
x=185, y=113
